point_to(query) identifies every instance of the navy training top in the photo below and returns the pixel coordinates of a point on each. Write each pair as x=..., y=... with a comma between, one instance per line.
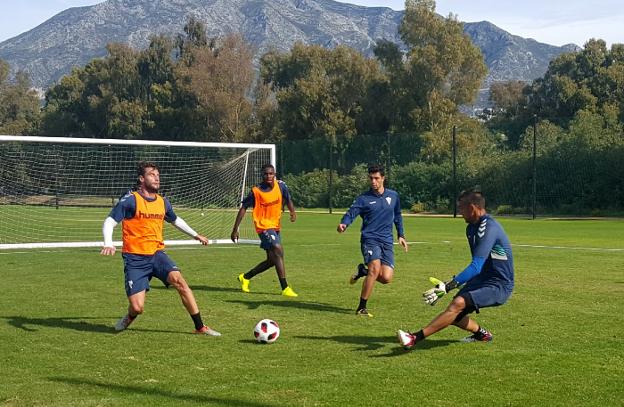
x=379, y=213
x=492, y=260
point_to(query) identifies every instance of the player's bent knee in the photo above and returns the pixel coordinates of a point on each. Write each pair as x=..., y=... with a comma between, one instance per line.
x=177, y=281
x=374, y=271
x=457, y=305
x=383, y=279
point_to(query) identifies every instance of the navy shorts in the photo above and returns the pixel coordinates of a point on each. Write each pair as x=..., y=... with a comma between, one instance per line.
x=139, y=270
x=484, y=295
x=373, y=250
x=269, y=238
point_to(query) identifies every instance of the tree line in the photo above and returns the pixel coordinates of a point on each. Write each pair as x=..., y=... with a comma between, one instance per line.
x=191, y=87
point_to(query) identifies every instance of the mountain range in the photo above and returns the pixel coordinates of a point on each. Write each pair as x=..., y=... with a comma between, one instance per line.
x=77, y=35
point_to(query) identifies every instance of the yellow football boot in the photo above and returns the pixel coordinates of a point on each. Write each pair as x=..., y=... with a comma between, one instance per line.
x=289, y=292
x=244, y=282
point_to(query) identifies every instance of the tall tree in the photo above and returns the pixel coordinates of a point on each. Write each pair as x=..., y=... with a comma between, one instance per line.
x=511, y=112
x=320, y=92
x=443, y=68
x=100, y=100
x=204, y=95
x=19, y=103
x=194, y=36
x=587, y=80
x=220, y=77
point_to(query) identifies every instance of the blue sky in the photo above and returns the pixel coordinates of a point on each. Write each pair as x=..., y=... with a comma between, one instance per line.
x=555, y=22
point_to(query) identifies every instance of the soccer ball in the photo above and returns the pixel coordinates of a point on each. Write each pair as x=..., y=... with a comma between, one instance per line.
x=266, y=331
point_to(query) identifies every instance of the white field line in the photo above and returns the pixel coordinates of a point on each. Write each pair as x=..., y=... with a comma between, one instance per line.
x=445, y=242
x=538, y=246
x=595, y=249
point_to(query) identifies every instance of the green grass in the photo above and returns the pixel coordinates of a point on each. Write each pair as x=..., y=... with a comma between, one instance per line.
x=558, y=341
x=39, y=224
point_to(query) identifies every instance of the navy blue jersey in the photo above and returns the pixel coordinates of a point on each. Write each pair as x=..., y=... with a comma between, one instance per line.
x=492, y=260
x=379, y=213
x=249, y=201
x=126, y=208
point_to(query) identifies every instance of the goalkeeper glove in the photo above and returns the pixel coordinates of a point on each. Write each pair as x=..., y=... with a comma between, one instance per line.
x=432, y=295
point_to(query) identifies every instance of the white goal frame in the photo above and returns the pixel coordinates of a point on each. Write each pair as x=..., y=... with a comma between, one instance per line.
x=250, y=147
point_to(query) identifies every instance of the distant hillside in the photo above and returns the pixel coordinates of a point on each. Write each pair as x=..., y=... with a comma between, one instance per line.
x=77, y=35
x=511, y=57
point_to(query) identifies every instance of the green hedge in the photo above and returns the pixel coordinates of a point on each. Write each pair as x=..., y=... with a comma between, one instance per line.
x=569, y=181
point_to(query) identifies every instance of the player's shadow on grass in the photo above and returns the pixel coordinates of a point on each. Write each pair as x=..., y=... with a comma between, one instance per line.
x=304, y=305
x=202, y=288
x=428, y=344
x=363, y=343
x=75, y=323
x=371, y=343
x=155, y=392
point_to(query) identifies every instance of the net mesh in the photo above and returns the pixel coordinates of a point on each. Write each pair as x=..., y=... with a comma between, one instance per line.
x=54, y=193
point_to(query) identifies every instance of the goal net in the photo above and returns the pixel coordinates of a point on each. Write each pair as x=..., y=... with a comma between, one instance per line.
x=56, y=192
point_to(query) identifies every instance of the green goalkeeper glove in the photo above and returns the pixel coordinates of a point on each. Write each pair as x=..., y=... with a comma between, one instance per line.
x=432, y=296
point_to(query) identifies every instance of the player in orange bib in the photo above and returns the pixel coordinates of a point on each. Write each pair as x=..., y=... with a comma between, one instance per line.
x=142, y=213
x=267, y=200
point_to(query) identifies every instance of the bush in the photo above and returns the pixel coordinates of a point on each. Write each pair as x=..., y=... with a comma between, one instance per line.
x=509, y=210
x=347, y=187
x=418, y=207
x=309, y=190
x=427, y=184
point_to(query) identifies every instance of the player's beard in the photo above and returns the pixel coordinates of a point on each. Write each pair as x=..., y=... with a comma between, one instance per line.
x=151, y=189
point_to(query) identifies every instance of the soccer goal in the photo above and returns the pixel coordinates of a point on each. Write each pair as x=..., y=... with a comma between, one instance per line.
x=57, y=191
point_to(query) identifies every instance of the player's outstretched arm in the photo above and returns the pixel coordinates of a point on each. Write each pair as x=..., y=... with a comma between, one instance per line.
x=182, y=226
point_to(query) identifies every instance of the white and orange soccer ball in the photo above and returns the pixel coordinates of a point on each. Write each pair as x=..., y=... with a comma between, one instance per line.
x=266, y=331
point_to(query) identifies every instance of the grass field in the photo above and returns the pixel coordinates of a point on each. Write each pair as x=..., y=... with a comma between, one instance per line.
x=557, y=342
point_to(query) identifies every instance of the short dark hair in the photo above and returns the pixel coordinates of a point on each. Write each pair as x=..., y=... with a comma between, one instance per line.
x=143, y=165
x=373, y=168
x=267, y=166
x=473, y=196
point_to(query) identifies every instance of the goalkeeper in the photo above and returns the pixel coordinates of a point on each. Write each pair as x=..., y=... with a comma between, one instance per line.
x=487, y=281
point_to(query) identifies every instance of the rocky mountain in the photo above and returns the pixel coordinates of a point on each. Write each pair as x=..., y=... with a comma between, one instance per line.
x=77, y=35
x=510, y=56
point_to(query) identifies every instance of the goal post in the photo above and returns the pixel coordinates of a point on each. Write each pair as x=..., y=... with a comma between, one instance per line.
x=57, y=191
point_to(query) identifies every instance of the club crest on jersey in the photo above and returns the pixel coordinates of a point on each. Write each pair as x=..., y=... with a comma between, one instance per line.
x=389, y=200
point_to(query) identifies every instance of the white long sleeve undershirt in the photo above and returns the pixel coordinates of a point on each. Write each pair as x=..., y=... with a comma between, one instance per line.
x=107, y=231
x=184, y=227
